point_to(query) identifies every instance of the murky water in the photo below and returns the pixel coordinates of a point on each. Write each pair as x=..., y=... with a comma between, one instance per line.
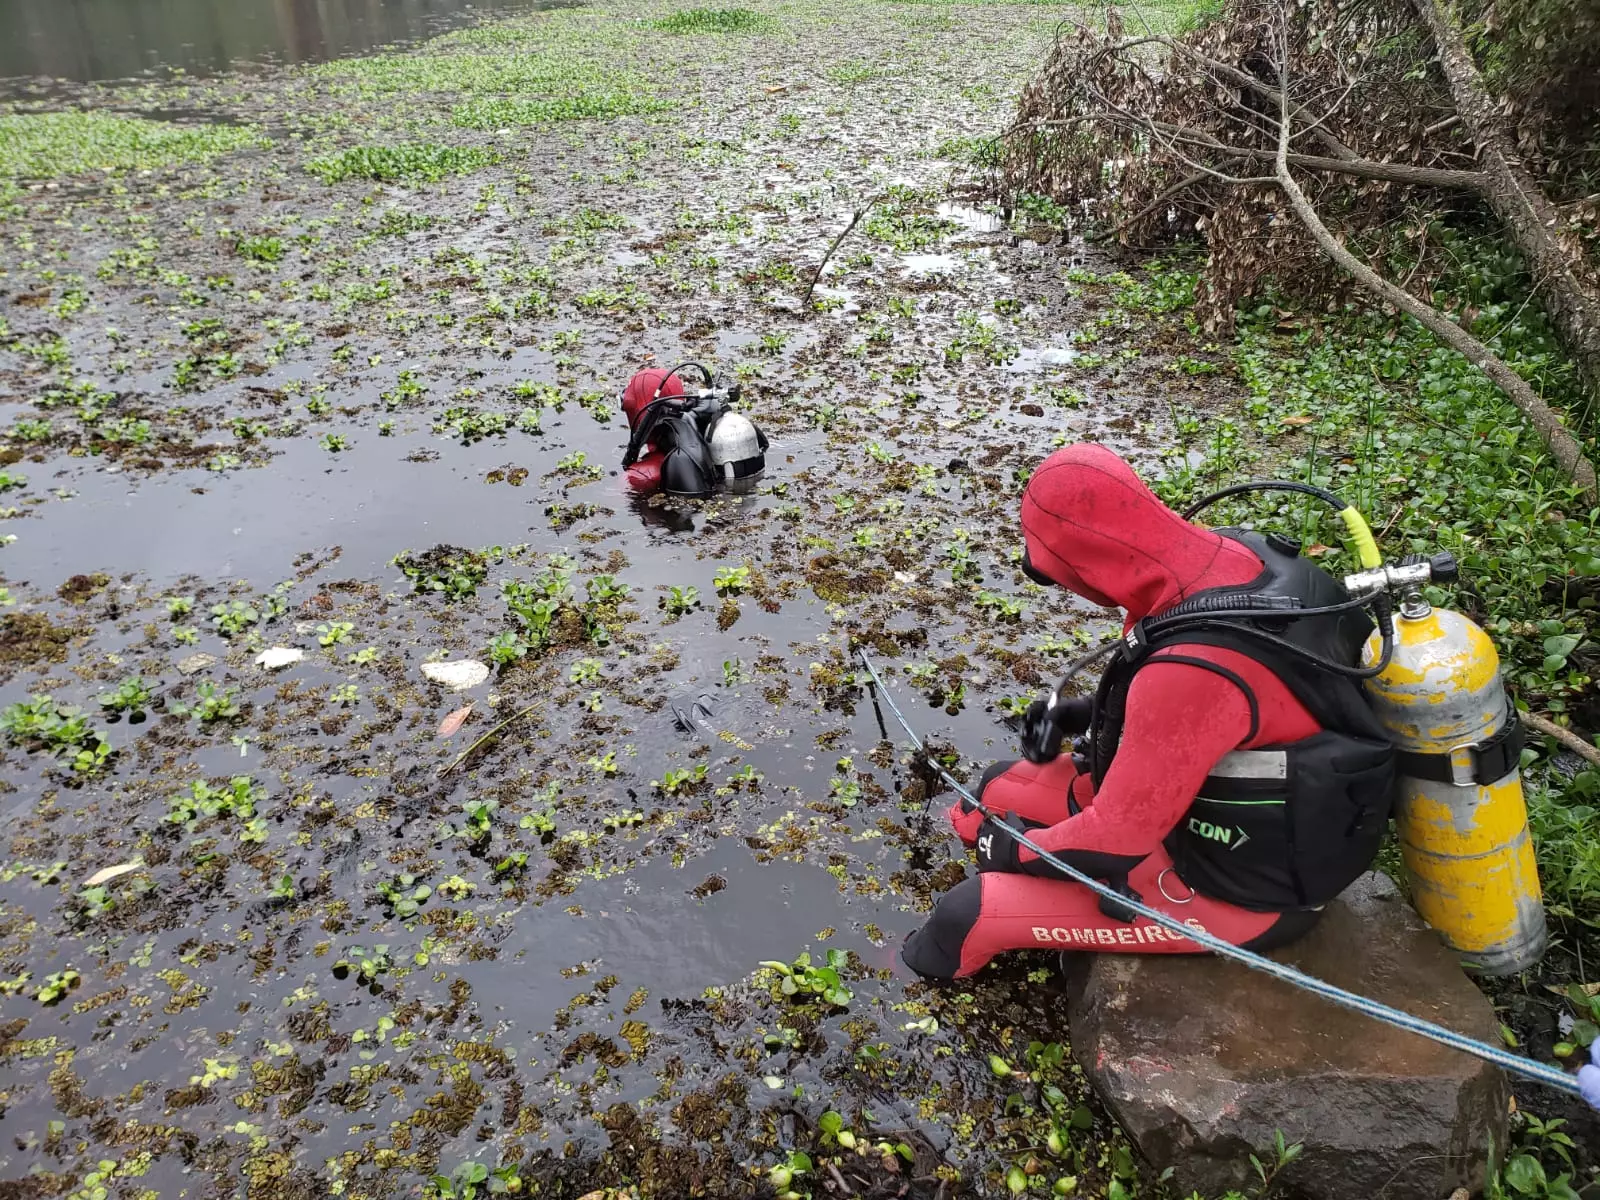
x=531, y=1002
x=116, y=39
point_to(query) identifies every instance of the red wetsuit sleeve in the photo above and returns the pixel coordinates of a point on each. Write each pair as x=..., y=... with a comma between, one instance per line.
x=1180, y=720
x=645, y=475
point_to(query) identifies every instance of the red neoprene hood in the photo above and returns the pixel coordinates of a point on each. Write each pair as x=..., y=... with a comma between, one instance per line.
x=1090, y=524
x=642, y=389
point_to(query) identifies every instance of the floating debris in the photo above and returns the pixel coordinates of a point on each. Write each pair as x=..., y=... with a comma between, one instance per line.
x=107, y=874
x=278, y=657
x=451, y=724
x=458, y=676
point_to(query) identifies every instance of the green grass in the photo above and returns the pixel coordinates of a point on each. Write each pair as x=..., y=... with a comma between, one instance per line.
x=1565, y=819
x=499, y=114
x=548, y=74
x=47, y=145
x=714, y=20
x=853, y=72
x=973, y=151
x=426, y=162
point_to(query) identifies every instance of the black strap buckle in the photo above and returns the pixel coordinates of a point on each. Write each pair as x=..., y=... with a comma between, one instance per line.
x=1120, y=912
x=1471, y=764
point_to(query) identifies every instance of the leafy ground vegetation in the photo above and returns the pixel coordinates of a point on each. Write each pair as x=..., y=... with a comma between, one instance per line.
x=326, y=361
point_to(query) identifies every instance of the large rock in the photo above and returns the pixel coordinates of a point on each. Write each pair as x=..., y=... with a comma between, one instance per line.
x=1203, y=1060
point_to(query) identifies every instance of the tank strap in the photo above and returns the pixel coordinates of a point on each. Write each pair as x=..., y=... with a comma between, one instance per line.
x=1471, y=763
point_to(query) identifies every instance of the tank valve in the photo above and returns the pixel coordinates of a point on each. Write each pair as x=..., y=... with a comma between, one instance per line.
x=1406, y=575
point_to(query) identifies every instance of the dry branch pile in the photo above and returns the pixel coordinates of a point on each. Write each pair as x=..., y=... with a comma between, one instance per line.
x=1309, y=142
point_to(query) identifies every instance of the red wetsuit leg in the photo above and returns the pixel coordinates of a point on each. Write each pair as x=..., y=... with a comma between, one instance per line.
x=1020, y=912
x=989, y=914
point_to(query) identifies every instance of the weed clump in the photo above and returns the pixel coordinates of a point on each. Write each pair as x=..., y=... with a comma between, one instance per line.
x=713, y=20
x=453, y=570
x=29, y=638
x=598, y=106
x=420, y=162
x=46, y=145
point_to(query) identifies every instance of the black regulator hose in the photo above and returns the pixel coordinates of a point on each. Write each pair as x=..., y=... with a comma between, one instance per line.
x=1266, y=485
x=705, y=375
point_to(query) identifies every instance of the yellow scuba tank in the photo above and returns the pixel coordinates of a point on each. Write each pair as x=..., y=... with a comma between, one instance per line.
x=1460, y=814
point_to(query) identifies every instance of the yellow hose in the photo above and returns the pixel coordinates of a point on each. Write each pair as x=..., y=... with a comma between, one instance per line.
x=1361, y=534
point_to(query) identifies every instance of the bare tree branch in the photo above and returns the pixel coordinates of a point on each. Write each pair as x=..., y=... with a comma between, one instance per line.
x=1183, y=185
x=1358, y=168
x=805, y=303
x=1565, y=736
x=1563, y=447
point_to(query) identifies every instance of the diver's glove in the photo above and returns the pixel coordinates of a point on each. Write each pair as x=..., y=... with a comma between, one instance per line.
x=1044, y=726
x=997, y=849
x=1589, y=1077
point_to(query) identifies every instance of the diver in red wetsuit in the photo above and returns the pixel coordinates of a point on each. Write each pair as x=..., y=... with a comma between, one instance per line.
x=689, y=446
x=1235, y=787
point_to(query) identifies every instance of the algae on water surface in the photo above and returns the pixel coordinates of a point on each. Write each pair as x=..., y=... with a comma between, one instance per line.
x=254, y=388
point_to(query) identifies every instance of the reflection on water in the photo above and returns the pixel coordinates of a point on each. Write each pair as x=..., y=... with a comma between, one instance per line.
x=114, y=39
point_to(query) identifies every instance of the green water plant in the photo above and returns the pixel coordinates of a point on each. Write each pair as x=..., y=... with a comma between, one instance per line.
x=713, y=20
x=60, y=730
x=417, y=162
x=131, y=697
x=49, y=145
x=802, y=980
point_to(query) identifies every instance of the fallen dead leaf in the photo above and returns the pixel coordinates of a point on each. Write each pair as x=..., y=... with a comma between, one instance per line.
x=449, y=726
x=107, y=874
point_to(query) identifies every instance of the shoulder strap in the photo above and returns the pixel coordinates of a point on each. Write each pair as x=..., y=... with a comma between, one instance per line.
x=1111, y=697
x=1232, y=677
x=649, y=418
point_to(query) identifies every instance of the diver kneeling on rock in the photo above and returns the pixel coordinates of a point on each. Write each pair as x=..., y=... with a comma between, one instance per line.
x=1233, y=781
x=691, y=444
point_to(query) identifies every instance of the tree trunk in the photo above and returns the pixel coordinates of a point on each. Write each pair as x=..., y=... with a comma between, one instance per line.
x=1563, y=276
x=1563, y=447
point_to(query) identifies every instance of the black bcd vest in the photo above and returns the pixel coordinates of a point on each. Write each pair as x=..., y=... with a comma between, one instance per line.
x=1279, y=827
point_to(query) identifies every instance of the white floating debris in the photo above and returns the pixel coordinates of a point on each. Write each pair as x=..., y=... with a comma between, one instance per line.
x=459, y=675
x=279, y=656
x=107, y=874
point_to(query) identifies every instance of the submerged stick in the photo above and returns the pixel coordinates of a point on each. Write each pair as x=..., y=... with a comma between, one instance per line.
x=822, y=266
x=462, y=757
